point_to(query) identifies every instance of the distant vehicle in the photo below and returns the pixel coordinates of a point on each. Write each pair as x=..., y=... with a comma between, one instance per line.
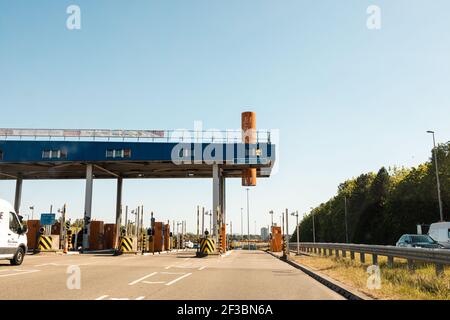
x=13, y=238
x=418, y=241
x=189, y=244
x=440, y=231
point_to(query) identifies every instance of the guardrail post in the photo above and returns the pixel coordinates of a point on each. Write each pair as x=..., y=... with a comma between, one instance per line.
x=336, y=252
x=374, y=259
x=362, y=257
x=352, y=255
x=390, y=262
x=319, y=251
x=315, y=250
x=410, y=265
x=439, y=269
x=344, y=254
x=330, y=252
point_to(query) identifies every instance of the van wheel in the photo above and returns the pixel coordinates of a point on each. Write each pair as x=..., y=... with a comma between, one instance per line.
x=18, y=257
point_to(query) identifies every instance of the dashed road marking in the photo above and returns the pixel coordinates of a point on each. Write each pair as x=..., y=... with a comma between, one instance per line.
x=143, y=278
x=201, y=268
x=178, y=279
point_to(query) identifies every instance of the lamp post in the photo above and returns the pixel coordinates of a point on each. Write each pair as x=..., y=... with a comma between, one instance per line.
x=314, y=228
x=437, y=176
x=248, y=220
x=345, y=212
x=32, y=212
x=242, y=225
x=271, y=213
x=295, y=214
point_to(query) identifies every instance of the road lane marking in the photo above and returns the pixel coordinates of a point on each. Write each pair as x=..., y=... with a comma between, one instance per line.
x=168, y=267
x=178, y=279
x=105, y=296
x=143, y=278
x=18, y=272
x=153, y=282
x=201, y=268
x=172, y=272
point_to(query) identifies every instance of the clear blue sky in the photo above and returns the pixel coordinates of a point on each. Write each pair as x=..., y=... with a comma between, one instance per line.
x=346, y=99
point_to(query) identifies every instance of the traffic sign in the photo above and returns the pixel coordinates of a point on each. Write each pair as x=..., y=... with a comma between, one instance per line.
x=47, y=218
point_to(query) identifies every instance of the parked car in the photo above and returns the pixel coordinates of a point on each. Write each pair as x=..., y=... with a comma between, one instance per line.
x=13, y=238
x=440, y=231
x=418, y=241
x=189, y=244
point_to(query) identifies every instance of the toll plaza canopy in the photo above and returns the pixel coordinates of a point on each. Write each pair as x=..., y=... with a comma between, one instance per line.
x=64, y=154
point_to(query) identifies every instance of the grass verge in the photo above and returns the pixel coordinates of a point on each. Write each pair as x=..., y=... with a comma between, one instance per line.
x=397, y=283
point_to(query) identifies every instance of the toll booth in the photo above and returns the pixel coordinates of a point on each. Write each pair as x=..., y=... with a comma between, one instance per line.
x=33, y=233
x=223, y=238
x=109, y=236
x=96, y=238
x=156, y=242
x=167, y=237
x=276, y=239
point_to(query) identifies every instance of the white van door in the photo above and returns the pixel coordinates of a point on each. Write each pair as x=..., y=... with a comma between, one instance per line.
x=5, y=236
x=13, y=233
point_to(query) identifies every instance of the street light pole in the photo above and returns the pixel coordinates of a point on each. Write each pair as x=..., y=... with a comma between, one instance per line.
x=271, y=213
x=346, y=227
x=242, y=225
x=314, y=228
x=248, y=220
x=437, y=176
x=298, y=239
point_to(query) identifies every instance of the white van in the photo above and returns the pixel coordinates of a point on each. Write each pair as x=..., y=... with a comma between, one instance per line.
x=13, y=238
x=440, y=231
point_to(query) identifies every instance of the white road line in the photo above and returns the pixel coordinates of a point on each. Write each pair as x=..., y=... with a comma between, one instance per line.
x=143, y=278
x=18, y=272
x=172, y=272
x=178, y=279
x=201, y=268
x=101, y=297
x=168, y=267
x=153, y=282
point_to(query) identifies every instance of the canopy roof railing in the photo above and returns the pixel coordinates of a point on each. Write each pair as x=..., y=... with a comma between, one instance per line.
x=178, y=135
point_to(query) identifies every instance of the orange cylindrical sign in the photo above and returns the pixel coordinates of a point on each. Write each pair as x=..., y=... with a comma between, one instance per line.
x=248, y=121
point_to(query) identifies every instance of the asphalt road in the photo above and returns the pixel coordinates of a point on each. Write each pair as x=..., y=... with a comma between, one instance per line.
x=241, y=275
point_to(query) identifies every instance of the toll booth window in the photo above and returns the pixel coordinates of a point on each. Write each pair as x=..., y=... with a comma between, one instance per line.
x=14, y=224
x=118, y=153
x=54, y=154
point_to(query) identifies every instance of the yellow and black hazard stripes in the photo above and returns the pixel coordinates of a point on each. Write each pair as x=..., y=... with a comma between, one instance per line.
x=126, y=244
x=207, y=245
x=45, y=243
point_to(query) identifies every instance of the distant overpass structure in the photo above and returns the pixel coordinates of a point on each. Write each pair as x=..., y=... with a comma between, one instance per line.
x=33, y=154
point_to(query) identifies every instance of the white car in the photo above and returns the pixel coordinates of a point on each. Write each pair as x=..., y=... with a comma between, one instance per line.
x=13, y=238
x=189, y=244
x=440, y=231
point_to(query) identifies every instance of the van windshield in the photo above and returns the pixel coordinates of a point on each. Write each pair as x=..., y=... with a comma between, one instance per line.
x=422, y=239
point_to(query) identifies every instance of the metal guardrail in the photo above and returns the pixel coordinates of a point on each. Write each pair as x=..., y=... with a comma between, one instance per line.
x=438, y=257
x=178, y=135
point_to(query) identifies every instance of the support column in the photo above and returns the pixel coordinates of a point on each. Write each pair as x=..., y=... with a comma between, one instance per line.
x=18, y=194
x=87, y=207
x=118, y=210
x=216, y=199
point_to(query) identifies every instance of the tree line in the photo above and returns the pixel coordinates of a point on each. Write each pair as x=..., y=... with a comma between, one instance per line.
x=382, y=206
